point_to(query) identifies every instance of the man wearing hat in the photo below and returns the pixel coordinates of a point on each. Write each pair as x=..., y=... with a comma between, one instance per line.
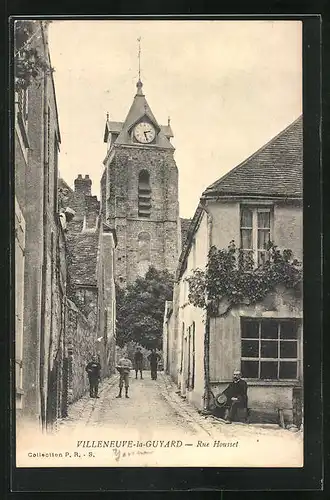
x=93, y=370
x=124, y=366
x=234, y=397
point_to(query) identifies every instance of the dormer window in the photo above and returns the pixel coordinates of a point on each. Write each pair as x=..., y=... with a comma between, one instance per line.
x=144, y=195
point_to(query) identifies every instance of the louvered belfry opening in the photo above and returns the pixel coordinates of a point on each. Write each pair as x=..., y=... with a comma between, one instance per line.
x=144, y=203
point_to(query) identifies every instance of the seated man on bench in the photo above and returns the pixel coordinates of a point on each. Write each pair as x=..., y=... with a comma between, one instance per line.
x=236, y=394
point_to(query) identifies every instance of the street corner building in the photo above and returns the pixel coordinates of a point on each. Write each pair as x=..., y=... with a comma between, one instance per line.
x=258, y=201
x=64, y=259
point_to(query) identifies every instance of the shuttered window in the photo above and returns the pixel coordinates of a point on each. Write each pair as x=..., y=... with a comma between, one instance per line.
x=144, y=195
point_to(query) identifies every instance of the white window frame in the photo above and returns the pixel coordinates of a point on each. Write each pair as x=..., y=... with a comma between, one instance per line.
x=278, y=341
x=255, y=211
x=21, y=121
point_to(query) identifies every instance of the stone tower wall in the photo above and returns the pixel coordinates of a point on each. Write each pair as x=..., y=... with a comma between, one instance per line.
x=122, y=208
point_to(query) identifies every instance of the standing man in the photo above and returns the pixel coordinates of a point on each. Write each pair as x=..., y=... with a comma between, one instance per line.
x=236, y=394
x=124, y=367
x=153, y=359
x=93, y=369
x=138, y=361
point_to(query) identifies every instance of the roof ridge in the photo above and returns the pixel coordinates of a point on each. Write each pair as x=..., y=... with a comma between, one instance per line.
x=262, y=148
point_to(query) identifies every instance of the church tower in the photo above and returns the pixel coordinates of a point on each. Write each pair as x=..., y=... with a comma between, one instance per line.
x=139, y=192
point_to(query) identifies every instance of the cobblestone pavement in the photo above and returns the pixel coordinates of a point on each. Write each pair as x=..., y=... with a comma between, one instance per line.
x=154, y=411
x=156, y=405
x=149, y=406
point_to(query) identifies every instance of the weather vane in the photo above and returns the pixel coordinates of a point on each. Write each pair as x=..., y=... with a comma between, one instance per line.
x=139, y=56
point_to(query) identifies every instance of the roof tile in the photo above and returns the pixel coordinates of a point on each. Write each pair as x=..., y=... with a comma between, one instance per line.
x=274, y=170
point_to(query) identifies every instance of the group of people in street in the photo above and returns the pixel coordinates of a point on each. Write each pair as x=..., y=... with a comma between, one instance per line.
x=124, y=367
x=233, y=398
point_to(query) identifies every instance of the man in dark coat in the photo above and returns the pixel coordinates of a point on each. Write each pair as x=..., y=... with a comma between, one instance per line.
x=138, y=362
x=236, y=394
x=93, y=370
x=153, y=359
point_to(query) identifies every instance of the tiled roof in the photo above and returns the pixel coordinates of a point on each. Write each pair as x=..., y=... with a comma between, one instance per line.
x=116, y=127
x=63, y=185
x=185, y=223
x=138, y=110
x=274, y=170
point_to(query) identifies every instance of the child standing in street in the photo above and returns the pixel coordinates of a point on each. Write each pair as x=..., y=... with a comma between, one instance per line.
x=124, y=367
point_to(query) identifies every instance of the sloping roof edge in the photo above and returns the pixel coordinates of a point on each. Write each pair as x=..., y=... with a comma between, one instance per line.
x=210, y=190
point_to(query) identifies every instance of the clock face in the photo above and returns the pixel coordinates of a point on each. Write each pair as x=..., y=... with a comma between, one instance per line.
x=144, y=132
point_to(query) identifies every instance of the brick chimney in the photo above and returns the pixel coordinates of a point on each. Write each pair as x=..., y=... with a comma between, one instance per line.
x=83, y=186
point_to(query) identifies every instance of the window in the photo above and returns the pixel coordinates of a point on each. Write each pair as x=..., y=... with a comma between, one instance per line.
x=21, y=107
x=182, y=342
x=22, y=101
x=255, y=232
x=144, y=194
x=193, y=356
x=269, y=348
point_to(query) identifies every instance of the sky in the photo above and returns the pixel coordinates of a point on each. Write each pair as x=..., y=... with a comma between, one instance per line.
x=228, y=87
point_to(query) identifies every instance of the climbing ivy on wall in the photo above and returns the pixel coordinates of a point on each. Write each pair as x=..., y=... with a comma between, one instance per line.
x=230, y=275
x=29, y=63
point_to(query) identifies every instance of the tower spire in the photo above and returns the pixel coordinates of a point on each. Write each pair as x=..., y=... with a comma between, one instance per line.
x=139, y=83
x=139, y=57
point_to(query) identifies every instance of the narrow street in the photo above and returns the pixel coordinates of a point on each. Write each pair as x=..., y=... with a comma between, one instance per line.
x=155, y=414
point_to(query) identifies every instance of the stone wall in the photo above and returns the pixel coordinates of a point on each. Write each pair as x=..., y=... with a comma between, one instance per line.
x=122, y=208
x=81, y=345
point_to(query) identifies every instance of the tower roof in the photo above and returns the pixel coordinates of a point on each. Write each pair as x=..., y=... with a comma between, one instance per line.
x=139, y=110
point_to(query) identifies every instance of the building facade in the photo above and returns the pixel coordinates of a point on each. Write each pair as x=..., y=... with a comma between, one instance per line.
x=40, y=286
x=91, y=287
x=64, y=263
x=257, y=202
x=139, y=192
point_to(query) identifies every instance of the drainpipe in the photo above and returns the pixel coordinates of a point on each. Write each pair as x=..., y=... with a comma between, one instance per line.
x=206, y=396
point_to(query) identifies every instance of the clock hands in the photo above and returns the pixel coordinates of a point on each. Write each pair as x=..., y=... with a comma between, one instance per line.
x=146, y=132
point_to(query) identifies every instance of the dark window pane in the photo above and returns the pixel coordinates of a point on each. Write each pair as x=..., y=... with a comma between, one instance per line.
x=264, y=219
x=249, y=369
x=250, y=329
x=288, y=369
x=269, y=349
x=268, y=369
x=246, y=238
x=288, y=349
x=263, y=238
x=269, y=329
x=289, y=329
x=246, y=217
x=250, y=348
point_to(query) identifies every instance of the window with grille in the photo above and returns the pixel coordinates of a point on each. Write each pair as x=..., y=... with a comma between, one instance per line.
x=144, y=195
x=269, y=348
x=255, y=232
